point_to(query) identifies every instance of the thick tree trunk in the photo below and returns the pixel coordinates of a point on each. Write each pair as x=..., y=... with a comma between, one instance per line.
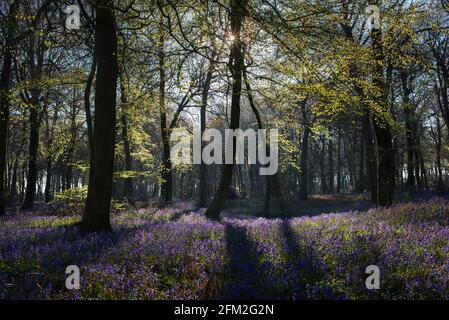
x=237, y=13
x=382, y=128
x=98, y=202
x=386, y=163
x=368, y=137
x=30, y=192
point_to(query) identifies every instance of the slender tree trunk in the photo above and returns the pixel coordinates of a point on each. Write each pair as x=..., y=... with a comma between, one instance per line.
x=423, y=171
x=268, y=179
x=98, y=202
x=338, y=162
x=47, y=191
x=418, y=171
x=22, y=181
x=5, y=79
x=440, y=185
x=167, y=175
x=371, y=162
x=204, y=100
x=87, y=90
x=361, y=185
x=331, y=166
x=406, y=91
x=303, y=182
x=4, y=118
x=13, y=190
x=237, y=13
x=48, y=181
x=71, y=146
x=323, y=183
x=129, y=189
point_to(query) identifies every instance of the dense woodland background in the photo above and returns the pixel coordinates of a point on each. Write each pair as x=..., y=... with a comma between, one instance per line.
x=87, y=114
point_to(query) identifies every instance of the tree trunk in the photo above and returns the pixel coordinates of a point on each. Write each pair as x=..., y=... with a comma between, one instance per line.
x=303, y=182
x=237, y=13
x=331, y=166
x=47, y=191
x=361, y=185
x=4, y=101
x=98, y=202
x=438, y=143
x=48, y=181
x=87, y=90
x=204, y=99
x=406, y=91
x=71, y=146
x=382, y=128
x=13, y=190
x=423, y=171
x=129, y=189
x=167, y=176
x=30, y=192
x=268, y=179
x=4, y=119
x=323, y=183
x=338, y=163
x=371, y=162
x=418, y=170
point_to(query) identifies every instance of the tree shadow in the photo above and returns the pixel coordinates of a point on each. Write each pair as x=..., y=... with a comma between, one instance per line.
x=302, y=263
x=242, y=273
x=254, y=272
x=308, y=278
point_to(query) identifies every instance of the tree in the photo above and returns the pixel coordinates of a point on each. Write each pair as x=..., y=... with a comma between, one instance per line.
x=382, y=128
x=98, y=202
x=204, y=100
x=5, y=79
x=236, y=65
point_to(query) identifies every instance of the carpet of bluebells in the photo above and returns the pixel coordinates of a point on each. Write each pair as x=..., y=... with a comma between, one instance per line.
x=165, y=255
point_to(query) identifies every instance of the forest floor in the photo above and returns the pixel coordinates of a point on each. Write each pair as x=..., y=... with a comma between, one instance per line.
x=175, y=253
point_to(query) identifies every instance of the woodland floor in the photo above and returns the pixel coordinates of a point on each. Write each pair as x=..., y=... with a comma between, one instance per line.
x=176, y=253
